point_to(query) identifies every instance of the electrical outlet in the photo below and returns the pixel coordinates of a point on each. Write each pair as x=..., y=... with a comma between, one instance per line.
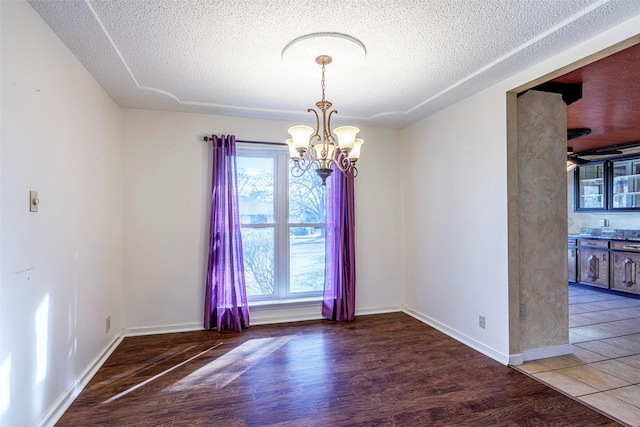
x=482, y=322
x=523, y=311
x=108, y=324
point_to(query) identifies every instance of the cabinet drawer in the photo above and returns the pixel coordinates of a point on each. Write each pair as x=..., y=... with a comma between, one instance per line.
x=604, y=244
x=571, y=242
x=626, y=246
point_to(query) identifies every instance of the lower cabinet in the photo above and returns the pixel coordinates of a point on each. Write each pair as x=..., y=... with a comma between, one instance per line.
x=606, y=264
x=572, y=264
x=594, y=268
x=625, y=263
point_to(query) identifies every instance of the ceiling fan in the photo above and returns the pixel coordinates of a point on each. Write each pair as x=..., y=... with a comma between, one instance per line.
x=578, y=158
x=574, y=159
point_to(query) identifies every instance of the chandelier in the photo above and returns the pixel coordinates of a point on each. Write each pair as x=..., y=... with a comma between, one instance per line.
x=323, y=148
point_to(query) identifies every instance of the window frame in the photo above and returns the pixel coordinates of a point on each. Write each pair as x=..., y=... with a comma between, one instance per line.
x=281, y=226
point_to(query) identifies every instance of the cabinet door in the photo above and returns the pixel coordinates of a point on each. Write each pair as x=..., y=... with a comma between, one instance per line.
x=593, y=267
x=571, y=266
x=625, y=192
x=590, y=187
x=626, y=270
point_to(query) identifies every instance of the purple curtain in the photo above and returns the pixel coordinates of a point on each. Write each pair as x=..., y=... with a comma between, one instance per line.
x=225, y=305
x=339, y=299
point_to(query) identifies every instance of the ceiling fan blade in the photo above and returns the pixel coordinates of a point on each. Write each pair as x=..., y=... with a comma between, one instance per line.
x=626, y=148
x=577, y=160
x=600, y=152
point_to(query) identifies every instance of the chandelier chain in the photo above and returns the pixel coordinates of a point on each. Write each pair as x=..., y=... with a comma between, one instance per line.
x=322, y=83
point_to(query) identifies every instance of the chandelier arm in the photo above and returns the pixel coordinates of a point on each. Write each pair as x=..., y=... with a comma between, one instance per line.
x=341, y=162
x=311, y=152
x=347, y=167
x=301, y=166
x=340, y=168
x=297, y=172
x=329, y=121
x=315, y=113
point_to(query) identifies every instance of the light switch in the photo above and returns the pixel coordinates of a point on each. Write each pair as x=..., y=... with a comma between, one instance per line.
x=33, y=201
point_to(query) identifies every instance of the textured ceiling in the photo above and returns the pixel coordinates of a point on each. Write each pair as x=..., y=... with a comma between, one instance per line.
x=225, y=57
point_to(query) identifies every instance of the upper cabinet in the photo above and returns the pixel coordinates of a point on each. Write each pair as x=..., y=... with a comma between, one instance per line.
x=612, y=185
x=626, y=184
x=591, y=188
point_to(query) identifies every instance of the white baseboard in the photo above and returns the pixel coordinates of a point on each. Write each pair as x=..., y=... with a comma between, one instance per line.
x=55, y=412
x=379, y=310
x=516, y=359
x=544, y=352
x=458, y=336
x=164, y=329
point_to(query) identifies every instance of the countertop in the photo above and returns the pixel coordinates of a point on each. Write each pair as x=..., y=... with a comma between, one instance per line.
x=607, y=234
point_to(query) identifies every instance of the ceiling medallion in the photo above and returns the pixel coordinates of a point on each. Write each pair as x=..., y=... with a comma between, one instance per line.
x=342, y=48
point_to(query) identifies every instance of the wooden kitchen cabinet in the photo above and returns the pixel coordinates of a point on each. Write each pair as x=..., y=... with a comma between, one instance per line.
x=625, y=193
x=572, y=263
x=625, y=266
x=593, y=263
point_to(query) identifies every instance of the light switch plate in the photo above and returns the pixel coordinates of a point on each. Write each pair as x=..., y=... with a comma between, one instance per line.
x=33, y=201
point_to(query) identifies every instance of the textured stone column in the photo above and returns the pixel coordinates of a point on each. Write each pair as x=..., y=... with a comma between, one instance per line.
x=542, y=220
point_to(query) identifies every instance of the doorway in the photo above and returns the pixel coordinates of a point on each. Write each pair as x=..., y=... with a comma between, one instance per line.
x=601, y=398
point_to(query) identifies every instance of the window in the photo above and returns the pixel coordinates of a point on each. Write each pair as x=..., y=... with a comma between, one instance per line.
x=283, y=224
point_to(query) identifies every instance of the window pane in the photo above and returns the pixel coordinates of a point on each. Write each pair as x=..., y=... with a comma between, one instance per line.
x=306, y=198
x=258, y=253
x=255, y=189
x=306, y=255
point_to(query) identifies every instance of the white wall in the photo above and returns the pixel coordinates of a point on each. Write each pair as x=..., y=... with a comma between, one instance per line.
x=61, y=268
x=166, y=172
x=455, y=221
x=455, y=193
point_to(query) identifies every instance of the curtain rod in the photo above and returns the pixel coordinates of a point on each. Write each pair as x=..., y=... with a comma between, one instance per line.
x=246, y=141
x=260, y=142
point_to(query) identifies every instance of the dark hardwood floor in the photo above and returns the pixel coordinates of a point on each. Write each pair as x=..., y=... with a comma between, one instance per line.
x=381, y=370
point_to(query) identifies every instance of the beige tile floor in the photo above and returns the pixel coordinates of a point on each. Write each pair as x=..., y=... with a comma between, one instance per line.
x=604, y=369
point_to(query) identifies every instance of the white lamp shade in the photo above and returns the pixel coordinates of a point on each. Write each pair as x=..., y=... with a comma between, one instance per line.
x=355, y=151
x=300, y=135
x=346, y=135
x=292, y=150
x=318, y=151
